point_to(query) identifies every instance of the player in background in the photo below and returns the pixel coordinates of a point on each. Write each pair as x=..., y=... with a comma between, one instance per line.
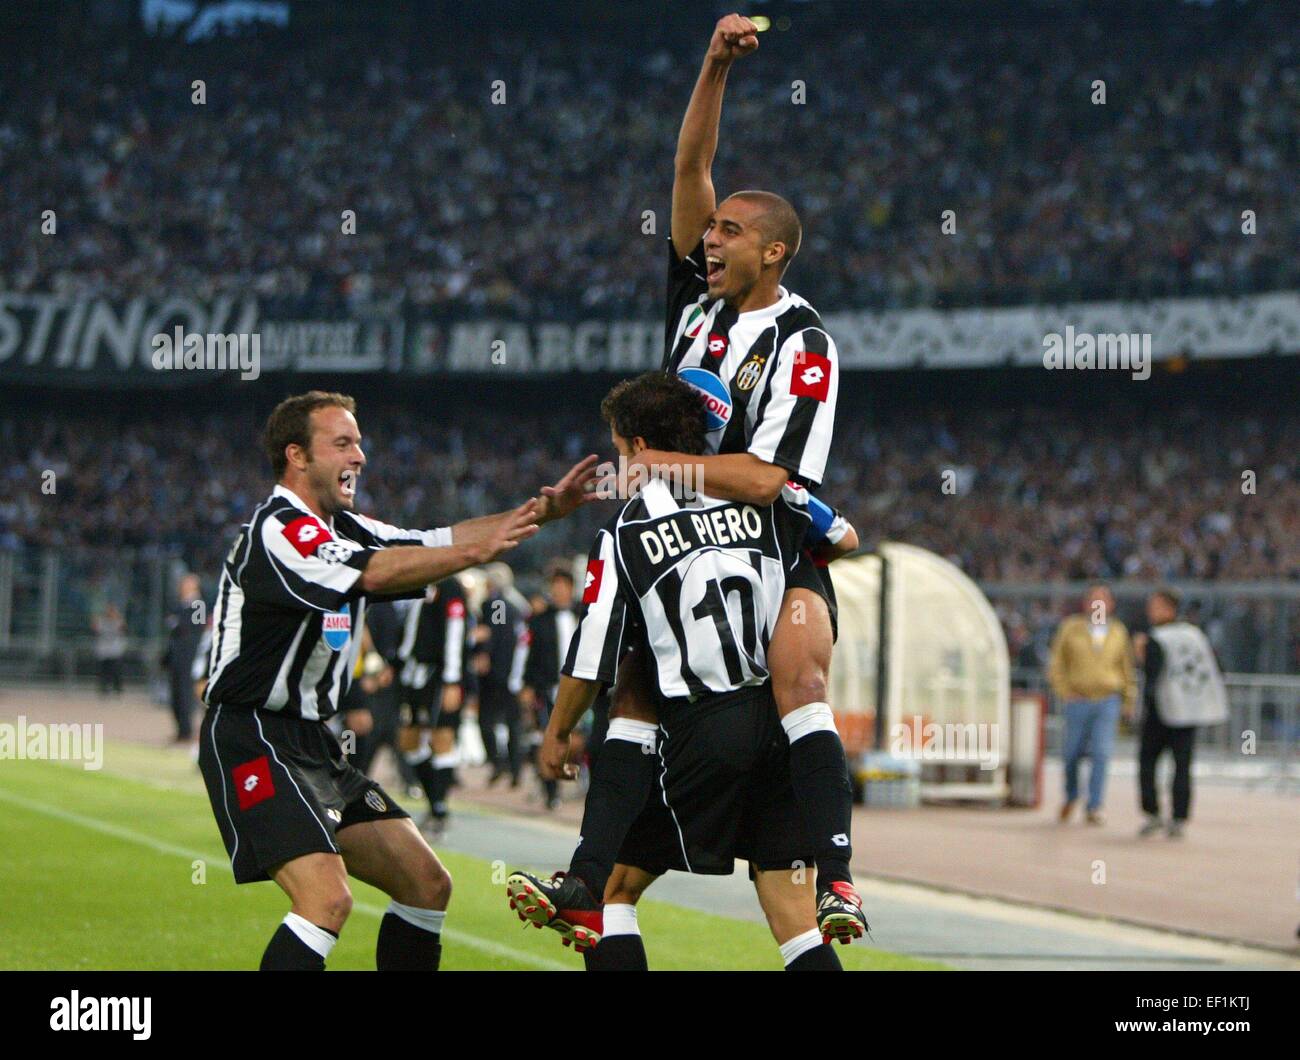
x=496, y=636
x=547, y=644
x=766, y=369
x=698, y=586
x=433, y=689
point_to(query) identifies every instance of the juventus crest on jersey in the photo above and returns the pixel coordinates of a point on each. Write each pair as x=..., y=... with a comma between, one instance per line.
x=768, y=377
x=701, y=582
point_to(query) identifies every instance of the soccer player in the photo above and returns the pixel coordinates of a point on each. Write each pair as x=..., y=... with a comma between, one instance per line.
x=293, y=590
x=499, y=632
x=766, y=369
x=547, y=645
x=432, y=691
x=698, y=584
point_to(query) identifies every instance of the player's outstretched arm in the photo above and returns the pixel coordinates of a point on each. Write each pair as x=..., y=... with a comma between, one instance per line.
x=396, y=570
x=739, y=477
x=573, y=699
x=697, y=143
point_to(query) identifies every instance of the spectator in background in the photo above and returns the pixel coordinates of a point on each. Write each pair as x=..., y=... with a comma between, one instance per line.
x=110, y=645
x=1183, y=689
x=185, y=626
x=1092, y=676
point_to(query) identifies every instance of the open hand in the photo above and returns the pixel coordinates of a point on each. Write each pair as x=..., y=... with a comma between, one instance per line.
x=576, y=488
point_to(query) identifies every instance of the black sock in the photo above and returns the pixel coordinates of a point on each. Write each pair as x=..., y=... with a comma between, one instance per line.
x=286, y=952
x=818, y=959
x=619, y=953
x=428, y=778
x=403, y=947
x=820, y=775
x=621, y=781
x=443, y=777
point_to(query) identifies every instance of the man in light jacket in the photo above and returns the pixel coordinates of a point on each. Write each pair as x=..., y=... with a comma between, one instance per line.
x=1184, y=689
x=1092, y=675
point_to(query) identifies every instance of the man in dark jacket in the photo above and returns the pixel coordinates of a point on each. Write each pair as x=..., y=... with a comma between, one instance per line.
x=185, y=626
x=497, y=635
x=549, y=632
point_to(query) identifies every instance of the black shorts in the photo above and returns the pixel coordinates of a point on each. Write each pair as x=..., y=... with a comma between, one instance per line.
x=807, y=575
x=723, y=792
x=424, y=708
x=281, y=787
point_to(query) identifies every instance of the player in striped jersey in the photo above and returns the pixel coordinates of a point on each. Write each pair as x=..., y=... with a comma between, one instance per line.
x=697, y=586
x=432, y=689
x=767, y=371
x=293, y=590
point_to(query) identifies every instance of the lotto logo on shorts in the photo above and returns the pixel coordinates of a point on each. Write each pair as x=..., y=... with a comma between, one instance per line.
x=306, y=534
x=253, y=782
x=811, y=376
x=591, y=587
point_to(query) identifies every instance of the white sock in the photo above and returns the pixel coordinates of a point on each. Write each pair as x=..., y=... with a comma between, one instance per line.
x=793, y=949
x=644, y=733
x=808, y=719
x=314, y=938
x=446, y=760
x=620, y=920
x=430, y=920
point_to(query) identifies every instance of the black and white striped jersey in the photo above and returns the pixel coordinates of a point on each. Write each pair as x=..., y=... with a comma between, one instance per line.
x=289, y=603
x=434, y=634
x=700, y=581
x=769, y=377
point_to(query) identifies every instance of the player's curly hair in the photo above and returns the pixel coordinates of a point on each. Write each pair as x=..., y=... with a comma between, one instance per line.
x=663, y=409
x=290, y=423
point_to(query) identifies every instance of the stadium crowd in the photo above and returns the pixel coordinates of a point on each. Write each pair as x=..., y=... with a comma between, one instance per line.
x=533, y=202
x=1034, y=494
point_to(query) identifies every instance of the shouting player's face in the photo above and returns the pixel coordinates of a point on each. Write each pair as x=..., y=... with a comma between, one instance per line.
x=736, y=251
x=334, y=459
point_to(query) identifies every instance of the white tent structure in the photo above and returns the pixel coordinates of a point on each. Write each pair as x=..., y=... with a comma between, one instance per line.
x=921, y=670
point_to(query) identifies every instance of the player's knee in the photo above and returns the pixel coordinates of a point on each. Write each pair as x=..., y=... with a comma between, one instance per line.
x=437, y=888
x=333, y=908
x=426, y=885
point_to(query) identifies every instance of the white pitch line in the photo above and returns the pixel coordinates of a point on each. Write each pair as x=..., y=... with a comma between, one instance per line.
x=464, y=938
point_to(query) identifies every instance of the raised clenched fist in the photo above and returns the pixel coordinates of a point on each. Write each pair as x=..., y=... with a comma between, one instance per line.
x=733, y=36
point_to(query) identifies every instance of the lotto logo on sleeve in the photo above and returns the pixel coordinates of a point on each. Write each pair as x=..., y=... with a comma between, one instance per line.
x=811, y=376
x=456, y=608
x=306, y=534
x=253, y=782
x=591, y=587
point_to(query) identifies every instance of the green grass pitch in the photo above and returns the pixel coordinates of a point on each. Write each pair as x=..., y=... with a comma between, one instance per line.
x=97, y=871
